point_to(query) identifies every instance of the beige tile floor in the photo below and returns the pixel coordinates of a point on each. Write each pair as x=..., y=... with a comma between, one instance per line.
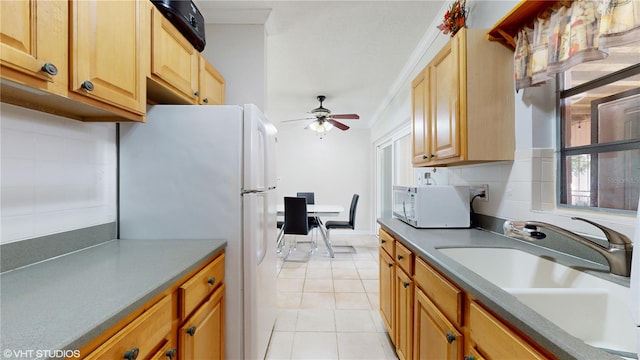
x=328, y=308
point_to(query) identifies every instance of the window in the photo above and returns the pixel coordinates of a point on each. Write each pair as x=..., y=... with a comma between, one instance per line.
x=599, y=106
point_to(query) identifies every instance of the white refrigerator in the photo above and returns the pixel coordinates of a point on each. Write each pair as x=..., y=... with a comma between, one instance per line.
x=209, y=172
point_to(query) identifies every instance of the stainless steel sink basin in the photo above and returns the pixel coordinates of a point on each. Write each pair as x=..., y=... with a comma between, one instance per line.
x=587, y=307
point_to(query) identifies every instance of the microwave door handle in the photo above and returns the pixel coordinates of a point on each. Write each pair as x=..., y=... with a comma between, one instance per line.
x=404, y=210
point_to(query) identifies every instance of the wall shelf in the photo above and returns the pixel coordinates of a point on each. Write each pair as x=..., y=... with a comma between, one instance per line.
x=505, y=30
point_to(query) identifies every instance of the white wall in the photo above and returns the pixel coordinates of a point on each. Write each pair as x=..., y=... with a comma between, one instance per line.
x=238, y=52
x=334, y=168
x=58, y=174
x=524, y=188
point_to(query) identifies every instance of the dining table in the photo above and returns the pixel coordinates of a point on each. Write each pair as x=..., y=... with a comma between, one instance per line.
x=316, y=211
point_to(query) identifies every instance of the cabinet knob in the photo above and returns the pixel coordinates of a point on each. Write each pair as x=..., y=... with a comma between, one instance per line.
x=171, y=353
x=406, y=284
x=469, y=357
x=191, y=330
x=400, y=257
x=87, y=85
x=450, y=338
x=132, y=354
x=196, y=93
x=211, y=281
x=390, y=264
x=431, y=156
x=383, y=241
x=424, y=157
x=205, y=100
x=50, y=69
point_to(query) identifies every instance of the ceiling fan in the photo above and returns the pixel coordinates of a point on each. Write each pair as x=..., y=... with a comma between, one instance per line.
x=323, y=120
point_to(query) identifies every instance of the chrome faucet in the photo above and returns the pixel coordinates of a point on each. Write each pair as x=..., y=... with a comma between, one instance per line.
x=617, y=253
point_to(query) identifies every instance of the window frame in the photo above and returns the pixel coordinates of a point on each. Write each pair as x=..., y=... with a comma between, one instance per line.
x=594, y=148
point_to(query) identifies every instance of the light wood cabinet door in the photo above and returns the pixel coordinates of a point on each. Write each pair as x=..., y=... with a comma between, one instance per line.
x=434, y=337
x=174, y=61
x=106, y=45
x=444, y=97
x=494, y=340
x=140, y=337
x=34, y=43
x=469, y=111
x=404, y=315
x=387, y=292
x=211, y=84
x=420, y=144
x=202, y=337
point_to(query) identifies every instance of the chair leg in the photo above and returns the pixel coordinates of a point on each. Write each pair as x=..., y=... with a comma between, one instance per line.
x=280, y=241
x=327, y=242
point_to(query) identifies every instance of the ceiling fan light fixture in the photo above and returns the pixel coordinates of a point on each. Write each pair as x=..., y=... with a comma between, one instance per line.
x=321, y=127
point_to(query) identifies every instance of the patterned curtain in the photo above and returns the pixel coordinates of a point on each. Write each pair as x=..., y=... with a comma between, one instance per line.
x=578, y=32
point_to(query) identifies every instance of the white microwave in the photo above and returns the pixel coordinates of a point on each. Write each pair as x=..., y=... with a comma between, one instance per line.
x=432, y=206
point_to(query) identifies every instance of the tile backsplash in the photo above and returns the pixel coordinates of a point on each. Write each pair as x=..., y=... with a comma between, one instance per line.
x=58, y=174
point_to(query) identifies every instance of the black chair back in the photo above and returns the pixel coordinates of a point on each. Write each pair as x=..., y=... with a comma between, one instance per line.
x=308, y=195
x=295, y=216
x=352, y=210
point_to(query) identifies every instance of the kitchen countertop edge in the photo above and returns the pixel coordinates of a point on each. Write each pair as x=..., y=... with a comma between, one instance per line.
x=538, y=328
x=189, y=259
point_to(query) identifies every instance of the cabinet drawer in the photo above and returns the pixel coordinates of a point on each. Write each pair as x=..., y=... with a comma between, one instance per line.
x=494, y=340
x=195, y=290
x=440, y=290
x=404, y=258
x=142, y=335
x=387, y=242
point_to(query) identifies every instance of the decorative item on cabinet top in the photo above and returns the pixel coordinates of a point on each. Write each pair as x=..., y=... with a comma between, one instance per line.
x=455, y=18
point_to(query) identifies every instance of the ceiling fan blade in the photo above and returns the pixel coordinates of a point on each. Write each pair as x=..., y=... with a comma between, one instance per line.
x=346, y=116
x=338, y=124
x=308, y=118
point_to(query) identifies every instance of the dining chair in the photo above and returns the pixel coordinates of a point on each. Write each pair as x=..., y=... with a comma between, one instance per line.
x=310, y=196
x=345, y=224
x=314, y=221
x=295, y=221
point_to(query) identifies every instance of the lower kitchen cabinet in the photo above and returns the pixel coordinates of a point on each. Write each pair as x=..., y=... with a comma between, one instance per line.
x=387, y=282
x=140, y=337
x=404, y=315
x=428, y=316
x=186, y=321
x=434, y=337
x=202, y=336
x=494, y=340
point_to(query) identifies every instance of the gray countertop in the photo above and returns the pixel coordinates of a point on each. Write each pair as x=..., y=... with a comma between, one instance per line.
x=425, y=242
x=64, y=302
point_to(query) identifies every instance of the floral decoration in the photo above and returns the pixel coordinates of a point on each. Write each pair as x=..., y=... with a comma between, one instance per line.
x=455, y=18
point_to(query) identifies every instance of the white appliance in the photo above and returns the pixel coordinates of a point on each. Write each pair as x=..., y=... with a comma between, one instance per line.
x=432, y=206
x=209, y=172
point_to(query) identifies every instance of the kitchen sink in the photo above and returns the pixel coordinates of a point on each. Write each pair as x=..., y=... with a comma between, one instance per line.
x=592, y=309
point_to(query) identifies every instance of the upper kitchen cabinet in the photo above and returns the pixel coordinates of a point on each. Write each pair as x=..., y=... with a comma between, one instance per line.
x=106, y=56
x=420, y=133
x=463, y=104
x=211, y=84
x=34, y=43
x=178, y=73
x=173, y=76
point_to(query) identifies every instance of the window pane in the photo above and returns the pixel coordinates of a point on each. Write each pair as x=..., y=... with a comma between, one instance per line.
x=618, y=119
x=579, y=180
x=619, y=179
x=617, y=116
x=613, y=182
